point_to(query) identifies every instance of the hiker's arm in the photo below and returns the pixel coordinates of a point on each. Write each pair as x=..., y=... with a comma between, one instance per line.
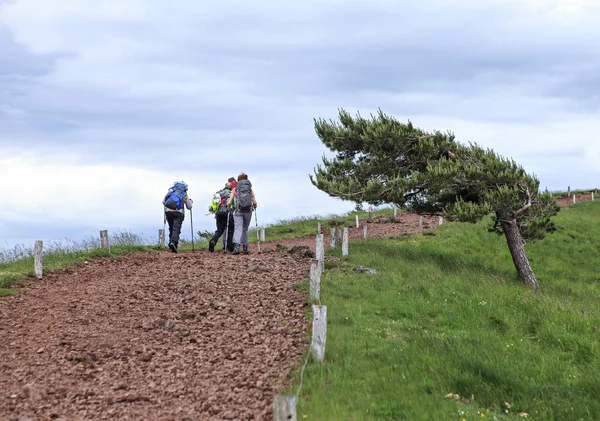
x=188, y=202
x=254, y=200
x=231, y=196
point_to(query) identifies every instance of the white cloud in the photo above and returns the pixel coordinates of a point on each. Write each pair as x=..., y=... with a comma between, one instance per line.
x=120, y=90
x=53, y=189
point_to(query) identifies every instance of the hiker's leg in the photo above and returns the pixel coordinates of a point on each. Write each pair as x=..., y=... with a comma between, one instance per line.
x=169, y=218
x=238, y=222
x=247, y=219
x=178, y=218
x=221, y=222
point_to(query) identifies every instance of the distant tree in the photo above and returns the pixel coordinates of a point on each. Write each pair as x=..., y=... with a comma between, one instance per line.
x=382, y=161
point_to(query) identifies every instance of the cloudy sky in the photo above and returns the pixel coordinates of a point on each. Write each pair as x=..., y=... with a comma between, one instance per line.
x=103, y=104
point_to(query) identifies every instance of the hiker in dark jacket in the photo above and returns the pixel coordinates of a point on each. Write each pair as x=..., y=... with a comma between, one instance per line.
x=174, y=202
x=244, y=202
x=224, y=219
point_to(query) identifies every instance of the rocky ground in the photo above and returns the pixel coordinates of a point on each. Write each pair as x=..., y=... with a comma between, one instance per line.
x=162, y=336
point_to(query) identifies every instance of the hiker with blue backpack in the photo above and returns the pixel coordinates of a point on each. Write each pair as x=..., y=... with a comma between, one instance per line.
x=243, y=203
x=174, y=202
x=224, y=219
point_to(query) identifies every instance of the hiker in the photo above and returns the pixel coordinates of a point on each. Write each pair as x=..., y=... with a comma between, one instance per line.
x=224, y=219
x=233, y=182
x=174, y=202
x=244, y=202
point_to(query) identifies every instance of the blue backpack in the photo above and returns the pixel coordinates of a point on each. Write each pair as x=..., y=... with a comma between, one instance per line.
x=174, y=198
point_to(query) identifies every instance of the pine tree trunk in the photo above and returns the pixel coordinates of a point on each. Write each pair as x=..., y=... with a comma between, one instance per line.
x=517, y=251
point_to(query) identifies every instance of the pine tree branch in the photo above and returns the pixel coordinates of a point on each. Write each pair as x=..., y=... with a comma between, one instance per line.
x=526, y=206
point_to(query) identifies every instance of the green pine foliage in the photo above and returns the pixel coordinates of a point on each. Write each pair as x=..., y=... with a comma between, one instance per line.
x=383, y=161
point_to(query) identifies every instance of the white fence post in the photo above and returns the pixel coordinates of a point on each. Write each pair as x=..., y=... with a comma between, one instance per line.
x=315, y=279
x=365, y=231
x=592, y=196
x=104, y=243
x=319, y=336
x=339, y=235
x=370, y=213
x=441, y=220
x=345, y=242
x=319, y=227
x=395, y=212
x=161, y=238
x=262, y=235
x=332, y=238
x=38, y=263
x=284, y=408
x=357, y=224
x=420, y=223
x=574, y=198
x=320, y=250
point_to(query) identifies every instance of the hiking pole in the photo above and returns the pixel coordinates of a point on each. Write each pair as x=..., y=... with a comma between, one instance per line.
x=164, y=228
x=192, y=226
x=257, y=233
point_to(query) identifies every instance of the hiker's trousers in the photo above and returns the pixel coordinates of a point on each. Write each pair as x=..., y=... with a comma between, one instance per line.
x=223, y=226
x=175, y=220
x=242, y=222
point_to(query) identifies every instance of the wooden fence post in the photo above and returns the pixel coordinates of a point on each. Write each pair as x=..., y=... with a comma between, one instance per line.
x=320, y=251
x=569, y=191
x=319, y=336
x=365, y=231
x=315, y=279
x=332, y=236
x=357, y=224
x=161, y=238
x=284, y=408
x=339, y=235
x=262, y=235
x=38, y=263
x=420, y=223
x=370, y=213
x=345, y=242
x=104, y=243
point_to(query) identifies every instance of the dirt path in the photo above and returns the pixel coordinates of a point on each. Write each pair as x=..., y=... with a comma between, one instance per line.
x=162, y=336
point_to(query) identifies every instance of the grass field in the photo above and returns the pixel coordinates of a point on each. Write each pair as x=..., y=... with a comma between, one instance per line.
x=445, y=331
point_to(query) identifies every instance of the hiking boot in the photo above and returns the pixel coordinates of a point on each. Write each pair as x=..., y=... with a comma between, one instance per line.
x=245, y=249
x=211, y=246
x=173, y=247
x=236, y=249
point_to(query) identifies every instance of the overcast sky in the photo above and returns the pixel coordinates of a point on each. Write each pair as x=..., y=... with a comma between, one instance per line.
x=104, y=104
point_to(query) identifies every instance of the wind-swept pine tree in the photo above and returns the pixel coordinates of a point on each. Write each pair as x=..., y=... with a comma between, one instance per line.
x=382, y=161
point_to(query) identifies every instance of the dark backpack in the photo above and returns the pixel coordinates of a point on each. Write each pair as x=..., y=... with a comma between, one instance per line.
x=224, y=197
x=243, y=196
x=174, y=198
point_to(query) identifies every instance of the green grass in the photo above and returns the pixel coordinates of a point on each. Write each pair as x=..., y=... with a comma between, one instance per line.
x=446, y=314
x=561, y=194
x=304, y=226
x=17, y=264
